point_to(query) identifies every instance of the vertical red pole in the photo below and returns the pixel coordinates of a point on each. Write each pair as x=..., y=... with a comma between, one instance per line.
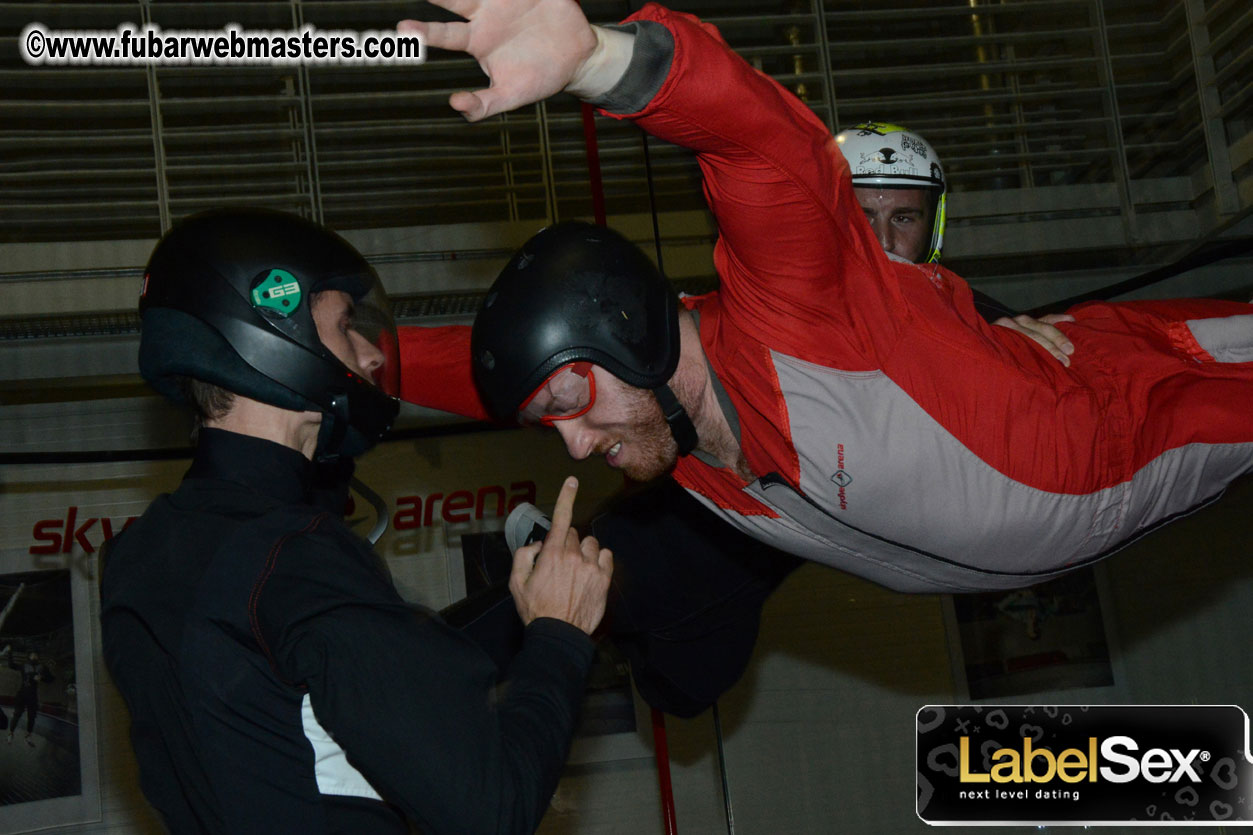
x=661, y=752
x=593, y=164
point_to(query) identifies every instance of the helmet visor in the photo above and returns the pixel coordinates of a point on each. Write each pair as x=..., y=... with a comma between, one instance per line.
x=372, y=319
x=360, y=332
x=567, y=393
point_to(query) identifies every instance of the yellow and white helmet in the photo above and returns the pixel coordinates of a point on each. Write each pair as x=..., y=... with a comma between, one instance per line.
x=883, y=155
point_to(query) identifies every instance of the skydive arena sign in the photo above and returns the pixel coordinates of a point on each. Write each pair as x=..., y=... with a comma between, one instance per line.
x=1099, y=764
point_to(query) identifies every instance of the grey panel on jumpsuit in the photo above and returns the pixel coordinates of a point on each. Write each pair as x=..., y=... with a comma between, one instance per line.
x=1228, y=339
x=891, y=496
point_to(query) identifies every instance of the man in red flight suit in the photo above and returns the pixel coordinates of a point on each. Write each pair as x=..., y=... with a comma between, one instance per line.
x=842, y=405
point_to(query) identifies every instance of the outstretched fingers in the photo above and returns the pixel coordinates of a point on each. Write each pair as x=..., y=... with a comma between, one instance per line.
x=453, y=36
x=465, y=8
x=529, y=49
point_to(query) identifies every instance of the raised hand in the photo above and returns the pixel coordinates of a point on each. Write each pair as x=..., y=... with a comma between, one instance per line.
x=562, y=577
x=530, y=49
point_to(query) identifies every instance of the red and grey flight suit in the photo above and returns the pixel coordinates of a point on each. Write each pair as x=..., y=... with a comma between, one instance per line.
x=892, y=432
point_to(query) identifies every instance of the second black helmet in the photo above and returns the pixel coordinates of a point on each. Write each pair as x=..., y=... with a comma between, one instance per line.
x=574, y=292
x=227, y=300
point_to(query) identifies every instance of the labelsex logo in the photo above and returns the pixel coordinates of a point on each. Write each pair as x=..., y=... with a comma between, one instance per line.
x=1039, y=765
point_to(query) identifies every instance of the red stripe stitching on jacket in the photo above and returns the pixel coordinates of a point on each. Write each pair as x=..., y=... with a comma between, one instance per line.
x=270, y=563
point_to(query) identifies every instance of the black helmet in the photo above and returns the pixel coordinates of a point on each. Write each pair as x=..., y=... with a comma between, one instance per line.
x=578, y=292
x=227, y=299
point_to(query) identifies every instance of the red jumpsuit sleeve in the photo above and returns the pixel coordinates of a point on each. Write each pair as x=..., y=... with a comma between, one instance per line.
x=792, y=252
x=435, y=370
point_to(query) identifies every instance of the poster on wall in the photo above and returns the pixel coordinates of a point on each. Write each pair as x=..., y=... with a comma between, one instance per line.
x=1041, y=639
x=54, y=519
x=48, y=767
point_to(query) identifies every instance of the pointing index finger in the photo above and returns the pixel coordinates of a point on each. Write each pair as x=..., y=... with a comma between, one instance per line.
x=563, y=512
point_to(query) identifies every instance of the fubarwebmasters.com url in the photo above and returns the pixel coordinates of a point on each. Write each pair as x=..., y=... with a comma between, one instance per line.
x=131, y=45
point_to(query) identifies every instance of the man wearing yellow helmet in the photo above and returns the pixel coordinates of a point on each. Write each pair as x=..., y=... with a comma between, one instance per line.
x=900, y=184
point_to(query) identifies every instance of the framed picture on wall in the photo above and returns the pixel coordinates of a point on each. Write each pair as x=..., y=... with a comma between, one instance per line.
x=48, y=766
x=1044, y=638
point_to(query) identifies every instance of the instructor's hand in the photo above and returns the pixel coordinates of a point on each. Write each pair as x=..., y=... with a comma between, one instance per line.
x=1042, y=331
x=530, y=49
x=562, y=577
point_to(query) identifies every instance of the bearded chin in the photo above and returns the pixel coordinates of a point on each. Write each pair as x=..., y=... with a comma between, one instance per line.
x=656, y=451
x=654, y=467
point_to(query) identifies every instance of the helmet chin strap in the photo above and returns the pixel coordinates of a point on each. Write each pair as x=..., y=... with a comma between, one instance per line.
x=681, y=426
x=332, y=431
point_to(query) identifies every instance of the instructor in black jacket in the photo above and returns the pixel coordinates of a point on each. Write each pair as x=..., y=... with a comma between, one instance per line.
x=276, y=681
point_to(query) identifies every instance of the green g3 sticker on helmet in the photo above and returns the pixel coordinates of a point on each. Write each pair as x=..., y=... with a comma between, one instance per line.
x=279, y=292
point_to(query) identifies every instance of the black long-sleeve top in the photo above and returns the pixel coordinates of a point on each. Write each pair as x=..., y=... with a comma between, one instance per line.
x=277, y=682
